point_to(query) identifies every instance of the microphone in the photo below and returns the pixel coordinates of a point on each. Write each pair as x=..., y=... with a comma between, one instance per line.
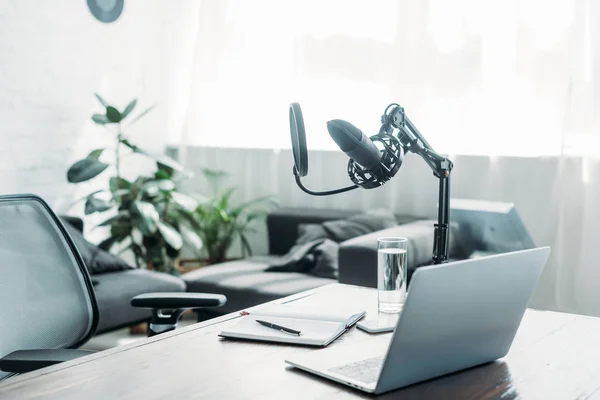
x=354, y=143
x=368, y=166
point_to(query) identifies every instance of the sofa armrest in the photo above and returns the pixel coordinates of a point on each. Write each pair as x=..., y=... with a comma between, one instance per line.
x=358, y=256
x=75, y=222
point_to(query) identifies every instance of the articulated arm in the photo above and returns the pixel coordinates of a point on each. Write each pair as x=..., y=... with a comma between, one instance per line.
x=412, y=141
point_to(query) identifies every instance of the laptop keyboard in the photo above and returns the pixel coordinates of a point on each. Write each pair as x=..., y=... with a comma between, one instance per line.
x=366, y=371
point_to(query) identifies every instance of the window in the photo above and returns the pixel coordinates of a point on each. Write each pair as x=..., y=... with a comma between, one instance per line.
x=497, y=77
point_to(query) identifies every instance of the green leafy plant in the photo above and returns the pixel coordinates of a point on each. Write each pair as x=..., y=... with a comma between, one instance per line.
x=149, y=216
x=218, y=222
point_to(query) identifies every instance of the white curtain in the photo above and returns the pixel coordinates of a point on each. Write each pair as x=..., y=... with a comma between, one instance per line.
x=499, y=79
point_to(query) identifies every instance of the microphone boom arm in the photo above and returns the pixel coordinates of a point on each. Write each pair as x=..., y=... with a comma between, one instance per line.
x=412, y=140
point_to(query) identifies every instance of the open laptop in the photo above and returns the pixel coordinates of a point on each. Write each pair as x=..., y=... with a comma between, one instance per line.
x=457, y=315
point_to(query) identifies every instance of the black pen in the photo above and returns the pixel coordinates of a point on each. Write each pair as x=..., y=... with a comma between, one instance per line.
x=279, y=327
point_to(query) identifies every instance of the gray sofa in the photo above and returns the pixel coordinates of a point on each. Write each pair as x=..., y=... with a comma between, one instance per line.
x=245, y=282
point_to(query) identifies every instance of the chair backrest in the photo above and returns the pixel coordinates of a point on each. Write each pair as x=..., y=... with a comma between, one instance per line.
x=46, y=296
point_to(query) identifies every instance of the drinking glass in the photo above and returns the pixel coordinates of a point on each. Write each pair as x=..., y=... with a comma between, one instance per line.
x=391, y=273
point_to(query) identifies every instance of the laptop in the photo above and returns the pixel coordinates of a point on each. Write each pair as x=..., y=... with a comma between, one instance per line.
x=456, y=316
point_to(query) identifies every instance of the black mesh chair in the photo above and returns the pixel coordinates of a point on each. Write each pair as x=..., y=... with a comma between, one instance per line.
x=47, y=303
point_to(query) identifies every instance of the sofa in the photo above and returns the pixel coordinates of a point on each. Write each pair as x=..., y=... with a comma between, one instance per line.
x=246, y=283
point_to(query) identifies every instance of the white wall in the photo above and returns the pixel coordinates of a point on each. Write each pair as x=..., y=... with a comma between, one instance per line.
x=53, y=56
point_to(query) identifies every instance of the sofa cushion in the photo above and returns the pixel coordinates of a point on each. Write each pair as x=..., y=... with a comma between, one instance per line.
x=358, y=256
x=316, y=249
x=96, y=260
x=283, y=224
x=115, y=290
x=246, y=284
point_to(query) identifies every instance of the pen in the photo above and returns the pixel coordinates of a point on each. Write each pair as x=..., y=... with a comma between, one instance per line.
x=279, y=327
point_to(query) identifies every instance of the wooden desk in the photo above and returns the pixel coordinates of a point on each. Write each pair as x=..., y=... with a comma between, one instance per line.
x=554, y=356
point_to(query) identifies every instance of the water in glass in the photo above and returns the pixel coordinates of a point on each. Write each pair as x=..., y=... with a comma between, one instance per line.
x=392, y=279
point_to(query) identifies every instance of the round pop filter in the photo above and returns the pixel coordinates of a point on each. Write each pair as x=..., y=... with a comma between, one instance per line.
x=106, y=11
x=298, y=139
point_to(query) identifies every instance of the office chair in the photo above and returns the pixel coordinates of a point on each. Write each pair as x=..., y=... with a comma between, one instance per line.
x=47, y=303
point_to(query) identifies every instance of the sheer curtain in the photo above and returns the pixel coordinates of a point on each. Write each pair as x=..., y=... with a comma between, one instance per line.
x=488, y=82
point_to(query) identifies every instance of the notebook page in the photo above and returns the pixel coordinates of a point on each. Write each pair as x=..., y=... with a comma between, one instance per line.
x=317, y=313
x=316, y=333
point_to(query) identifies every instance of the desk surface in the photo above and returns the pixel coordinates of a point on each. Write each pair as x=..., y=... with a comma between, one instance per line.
x=554, y=356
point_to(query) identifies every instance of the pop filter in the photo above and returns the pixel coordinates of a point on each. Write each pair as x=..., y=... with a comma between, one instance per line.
x=301, y=154
x=298, y=139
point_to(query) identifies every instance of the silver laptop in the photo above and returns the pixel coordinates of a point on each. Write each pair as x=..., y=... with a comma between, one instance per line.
x=456, y=316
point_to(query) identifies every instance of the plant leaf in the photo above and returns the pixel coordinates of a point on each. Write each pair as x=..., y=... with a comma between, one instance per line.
x=269, y=199
x=100, y=119
x=187, y=203
x=85, y=169
x=214, y=173
x=246, y=248
x=122, y=218
x=101, y=100
x=95, y=153
x=191, y=220
x=95, y=204
x=171, y=236
x=161, y=174
x=128, y=109
x=145, y=217
x=121, y=231
x=165, y=185
x=191, y=237
x=115, y=184
x=146, y=111
x=133, y=147
x=168, y=162
x=112, y=114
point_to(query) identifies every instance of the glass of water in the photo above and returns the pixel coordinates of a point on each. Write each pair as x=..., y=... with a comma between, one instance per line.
x=391, y=274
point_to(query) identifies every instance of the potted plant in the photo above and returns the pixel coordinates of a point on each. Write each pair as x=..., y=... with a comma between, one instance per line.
x=219, y=222
x=148, y=215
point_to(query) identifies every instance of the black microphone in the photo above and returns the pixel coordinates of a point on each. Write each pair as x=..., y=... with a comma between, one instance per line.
x=355, y=144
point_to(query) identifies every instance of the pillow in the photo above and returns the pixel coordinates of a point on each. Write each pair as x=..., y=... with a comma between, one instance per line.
x=343, y=229
x=96, y=260
x=310, y=232
x=316, y=249
x=326, y=260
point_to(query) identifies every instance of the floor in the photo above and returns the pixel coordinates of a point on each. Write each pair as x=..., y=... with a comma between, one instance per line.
x=122, y=337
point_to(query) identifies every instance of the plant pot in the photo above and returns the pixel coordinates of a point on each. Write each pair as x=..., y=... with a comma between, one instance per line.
x=184, y=265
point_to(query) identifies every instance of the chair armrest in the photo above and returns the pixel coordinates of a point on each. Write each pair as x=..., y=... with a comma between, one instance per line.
x=178, y=300
x=168, y=307
x=21, y=361
x=75, y=222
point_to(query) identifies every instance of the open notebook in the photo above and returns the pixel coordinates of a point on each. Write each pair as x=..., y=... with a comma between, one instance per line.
x=318, y=326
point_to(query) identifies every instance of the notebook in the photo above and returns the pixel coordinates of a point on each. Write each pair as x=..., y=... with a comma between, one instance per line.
x=318, y=326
